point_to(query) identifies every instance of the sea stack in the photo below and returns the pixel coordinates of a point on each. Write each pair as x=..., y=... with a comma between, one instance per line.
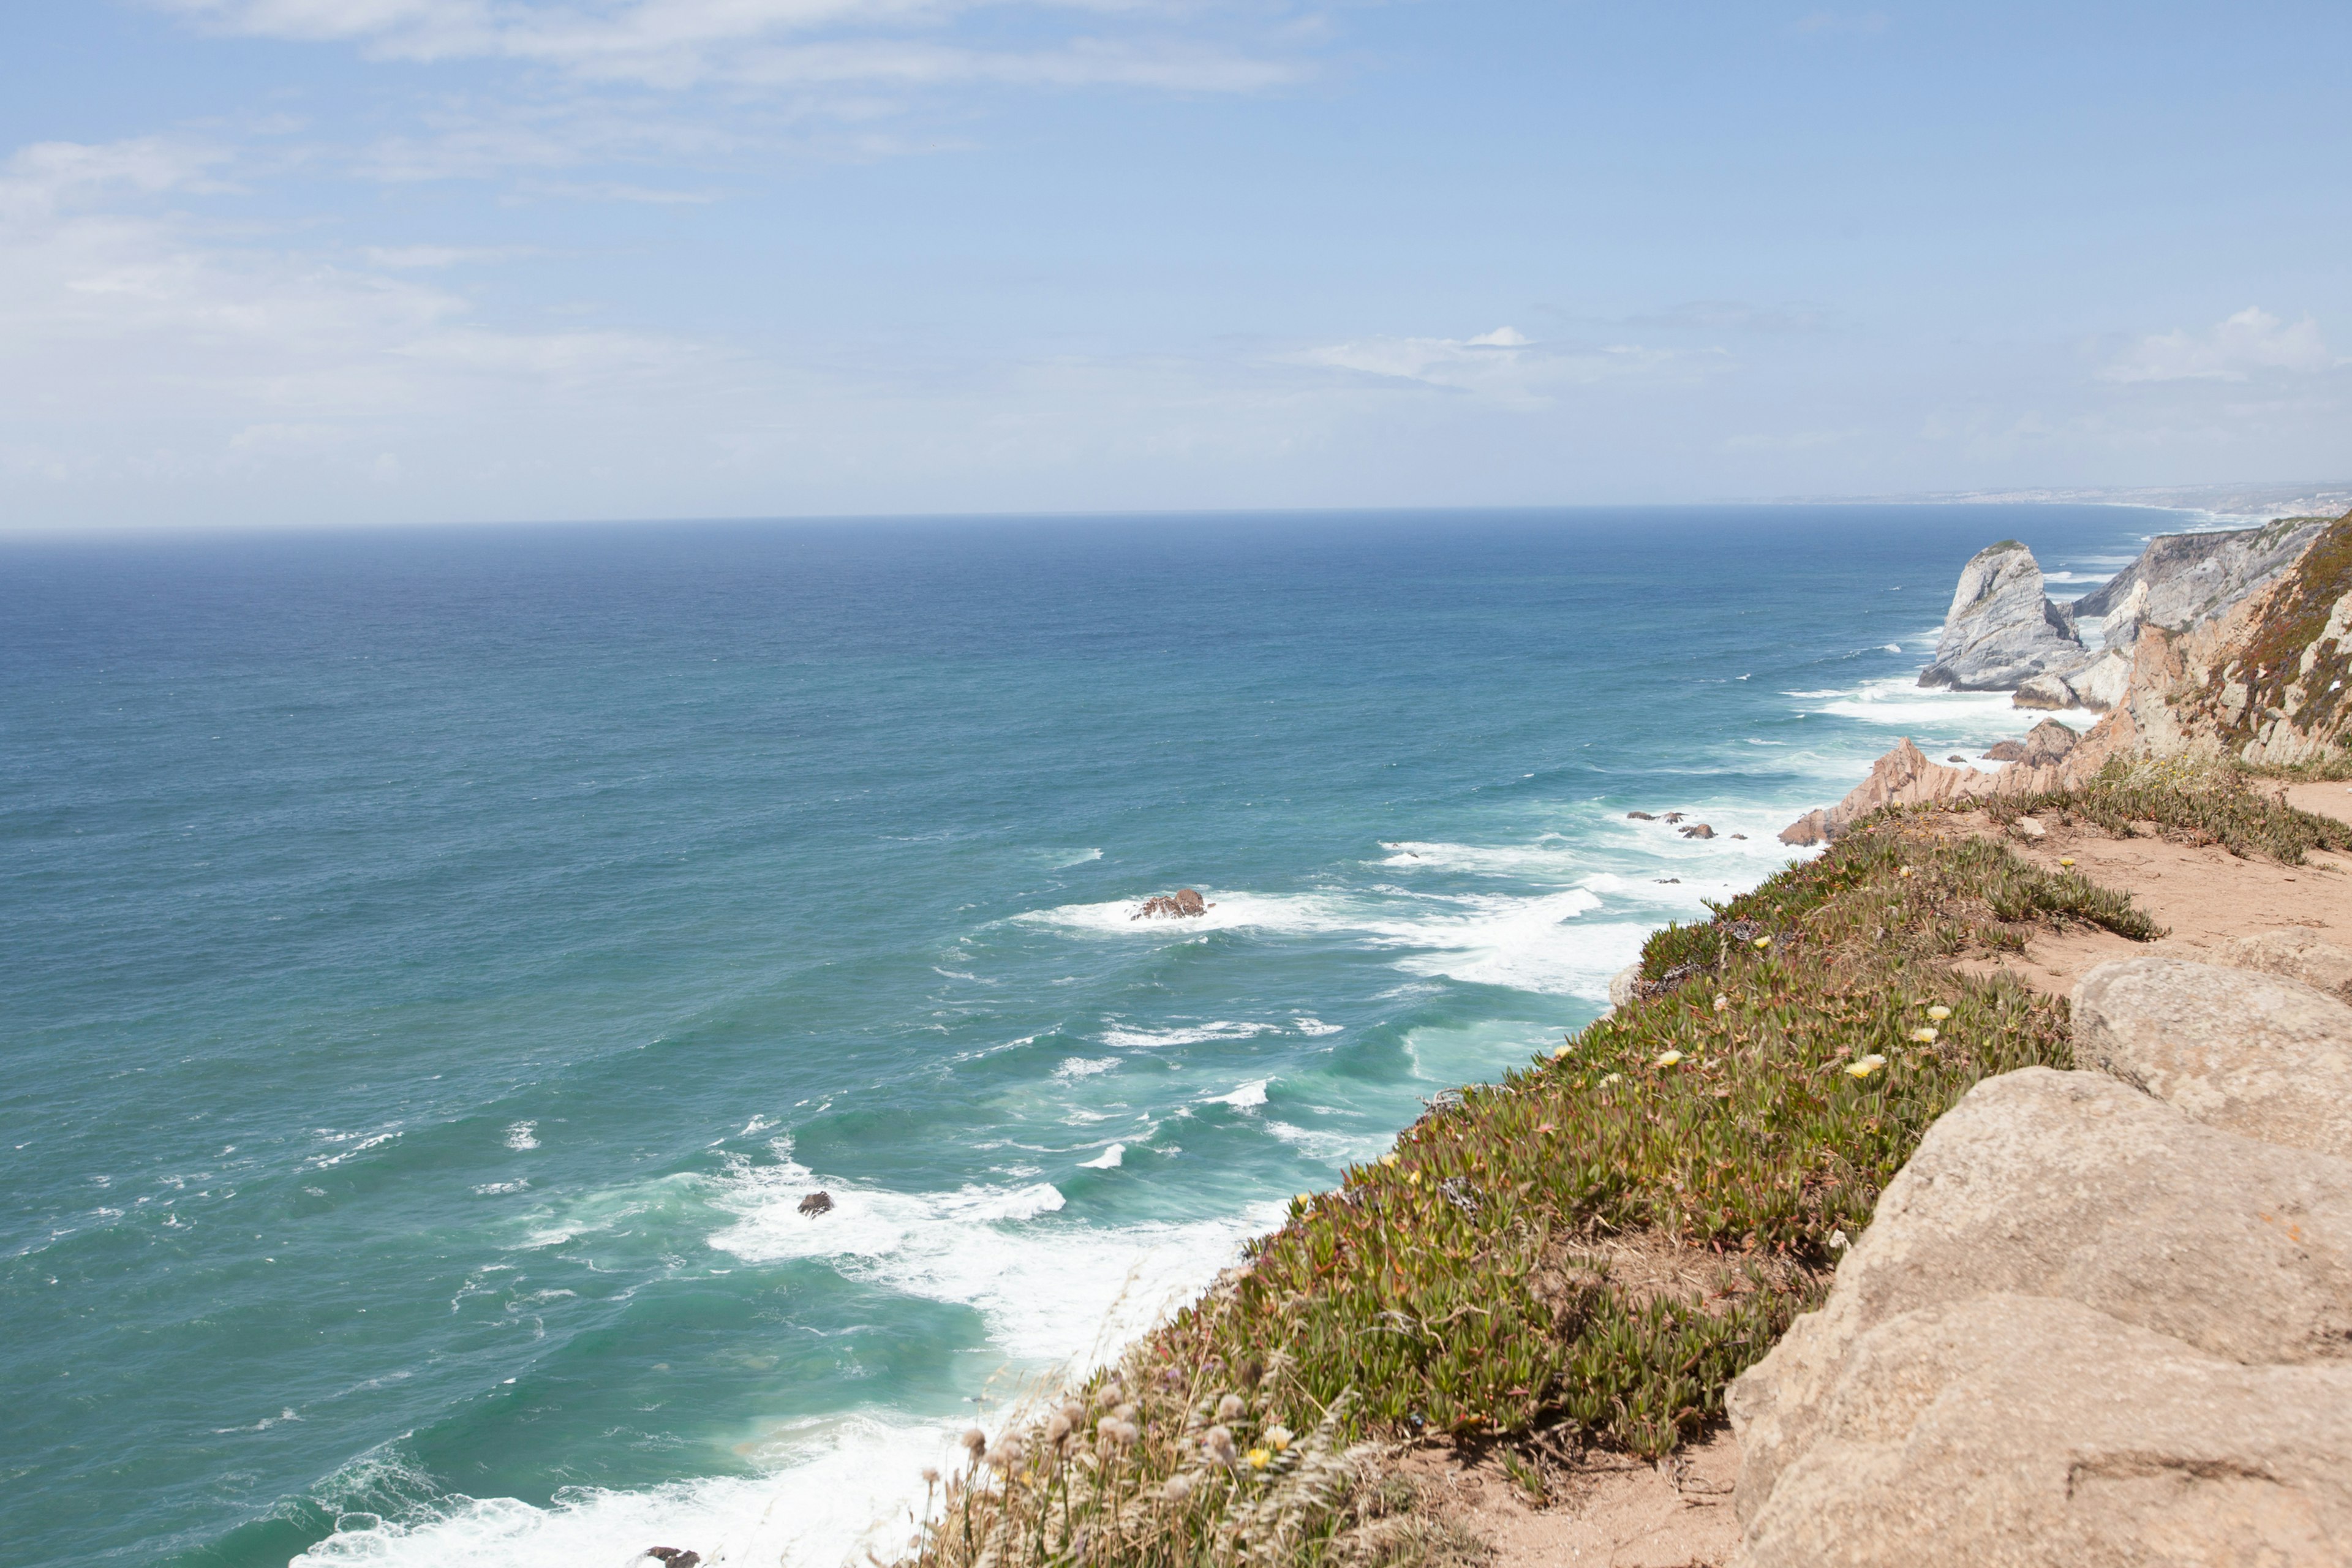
x=2002, y=630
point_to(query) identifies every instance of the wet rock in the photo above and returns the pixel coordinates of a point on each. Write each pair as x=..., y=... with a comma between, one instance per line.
x=2004, y=752
x=2002, y=629
x=1184, y=903
x=676, y=1557
x=1956, y=757
x=1698, y=830
x=1641, y=817
x=816, y=1204
x=1739, y=836
x=1674, y=815
x=2257, y=1054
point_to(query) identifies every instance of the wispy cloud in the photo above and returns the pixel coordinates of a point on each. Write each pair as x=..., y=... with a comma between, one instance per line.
x=2234, y=348
x=676, y=43
x=1504, y=365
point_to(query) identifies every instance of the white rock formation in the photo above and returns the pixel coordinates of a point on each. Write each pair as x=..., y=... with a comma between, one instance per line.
x=2002, y=629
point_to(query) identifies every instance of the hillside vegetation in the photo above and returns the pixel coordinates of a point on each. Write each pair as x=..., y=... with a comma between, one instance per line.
x=1584, y=1253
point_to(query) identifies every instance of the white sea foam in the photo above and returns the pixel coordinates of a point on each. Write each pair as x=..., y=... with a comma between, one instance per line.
x=840, y=1486
x=1085, y=1067
x=1108, y=1160
x=523, y=1135
x=1901, y=701
x=1336, y=1149
x=1063, y=859
x=1249, y=1094
x=1193, y=1034
x=1551, y=857
x=1312, y=1027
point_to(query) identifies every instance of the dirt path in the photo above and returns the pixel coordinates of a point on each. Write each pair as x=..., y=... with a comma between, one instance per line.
x=1613, y=1512
x=2201, y=893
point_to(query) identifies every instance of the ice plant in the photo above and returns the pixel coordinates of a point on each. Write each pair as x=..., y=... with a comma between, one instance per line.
x=1670, y=1058
x=2065, y=862
x=1723, y=1004
x=1762, y=943
x=1279, y=1437
x=1259, y=1458
x=1924, y=1035
x=1868, y=1065
x=1940, y=1013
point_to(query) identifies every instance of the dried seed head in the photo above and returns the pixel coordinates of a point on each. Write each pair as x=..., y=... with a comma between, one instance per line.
x=1217, y=1444
x=1057, y=1429
x=975, y=1442
x=1117, y=1432
x=1230, y=1407
x=1178, y=1489
x=931, y=1476
x=1124, y=1413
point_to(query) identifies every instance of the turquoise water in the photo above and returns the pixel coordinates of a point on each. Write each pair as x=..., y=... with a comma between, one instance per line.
x=438, y=964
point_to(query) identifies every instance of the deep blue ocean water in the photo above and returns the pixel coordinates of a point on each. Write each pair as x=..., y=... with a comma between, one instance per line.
x=435, y=965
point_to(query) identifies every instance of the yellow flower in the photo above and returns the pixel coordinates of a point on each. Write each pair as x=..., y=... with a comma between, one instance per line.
x=1279, y=1437
x=1940, y=1013
x=1924, y=1035
x=1560, y=1055
x=2065, y=862
x=1612, y=1077
x=1905, y=872
x=1306, y=1200
x=1414, y=1176
x=1864, y=1067
x=1762, y=943
x=1670, y=1058
x=1259, y=1458
x=1388, y=1159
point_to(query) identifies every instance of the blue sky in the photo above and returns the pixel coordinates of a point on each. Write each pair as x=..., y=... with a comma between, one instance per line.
x=290, y=262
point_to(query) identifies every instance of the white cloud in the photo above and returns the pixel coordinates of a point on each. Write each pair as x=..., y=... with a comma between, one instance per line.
x=775, y=43
x=1504, y=365
x=2250, y=341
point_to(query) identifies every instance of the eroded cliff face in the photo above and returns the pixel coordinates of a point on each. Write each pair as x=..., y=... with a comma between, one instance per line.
x=2003, y=629
x=2184, y=579
x=2263, y=682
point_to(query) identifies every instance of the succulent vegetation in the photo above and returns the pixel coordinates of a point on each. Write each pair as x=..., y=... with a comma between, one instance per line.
x=2203, y=801
x=1583, y=1254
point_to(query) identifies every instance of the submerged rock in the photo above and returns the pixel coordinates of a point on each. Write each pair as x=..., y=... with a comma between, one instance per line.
x=2002, y=629
x=1184, y=903
x=1698, y=830
x=1641, y=817
x=816, y=1204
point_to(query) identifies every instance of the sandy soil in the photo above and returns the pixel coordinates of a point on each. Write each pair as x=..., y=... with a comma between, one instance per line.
x=1608, y=1512
x=2203, y=894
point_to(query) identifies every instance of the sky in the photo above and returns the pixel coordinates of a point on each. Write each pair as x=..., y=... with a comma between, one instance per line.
x=271, y=263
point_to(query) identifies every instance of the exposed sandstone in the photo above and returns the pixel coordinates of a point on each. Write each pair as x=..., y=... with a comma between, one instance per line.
x=2077, y=1187
x=2047, y=743
x=2257, y=1054
x=2003, y=752
x=2019, y=1430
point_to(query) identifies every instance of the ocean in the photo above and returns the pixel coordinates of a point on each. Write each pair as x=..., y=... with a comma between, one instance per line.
x=437, y=963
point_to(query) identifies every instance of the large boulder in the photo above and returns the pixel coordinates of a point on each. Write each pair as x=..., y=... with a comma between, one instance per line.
x=2047, y=743
x=2018, y=1430
x=2101, y=683
x=2002, y=629
x=2297, y=953
x=2077, y=1187
x=2258, y=1054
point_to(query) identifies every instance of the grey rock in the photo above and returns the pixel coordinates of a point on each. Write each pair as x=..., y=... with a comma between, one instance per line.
x=2295, y=953
x=2101, y=683
x=2002, y=628
x=2182, y=579
x=2258, y=1054
x=2018, y=1431
x=2044, y=691
x=1698, y=830
x=2074, y=1186
x=1621, y=986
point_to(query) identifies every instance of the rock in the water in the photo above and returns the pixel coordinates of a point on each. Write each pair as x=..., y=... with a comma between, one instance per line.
x=2257, y=1054
x=2002, y=628
x=1674, y=815
x=1739, y=836
x=1184, y=903
x=2044, y=691
x=2073, y=1186
x=1956, y=757
x=2297, y=954
x=2005, y=751
x=1641, y=817
x=2047, y=743
x=1808, y=830
x=677, y=1557
x=816, y=1204
x=1698, y=830
x=2183, y=578
x=2034, y=1433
